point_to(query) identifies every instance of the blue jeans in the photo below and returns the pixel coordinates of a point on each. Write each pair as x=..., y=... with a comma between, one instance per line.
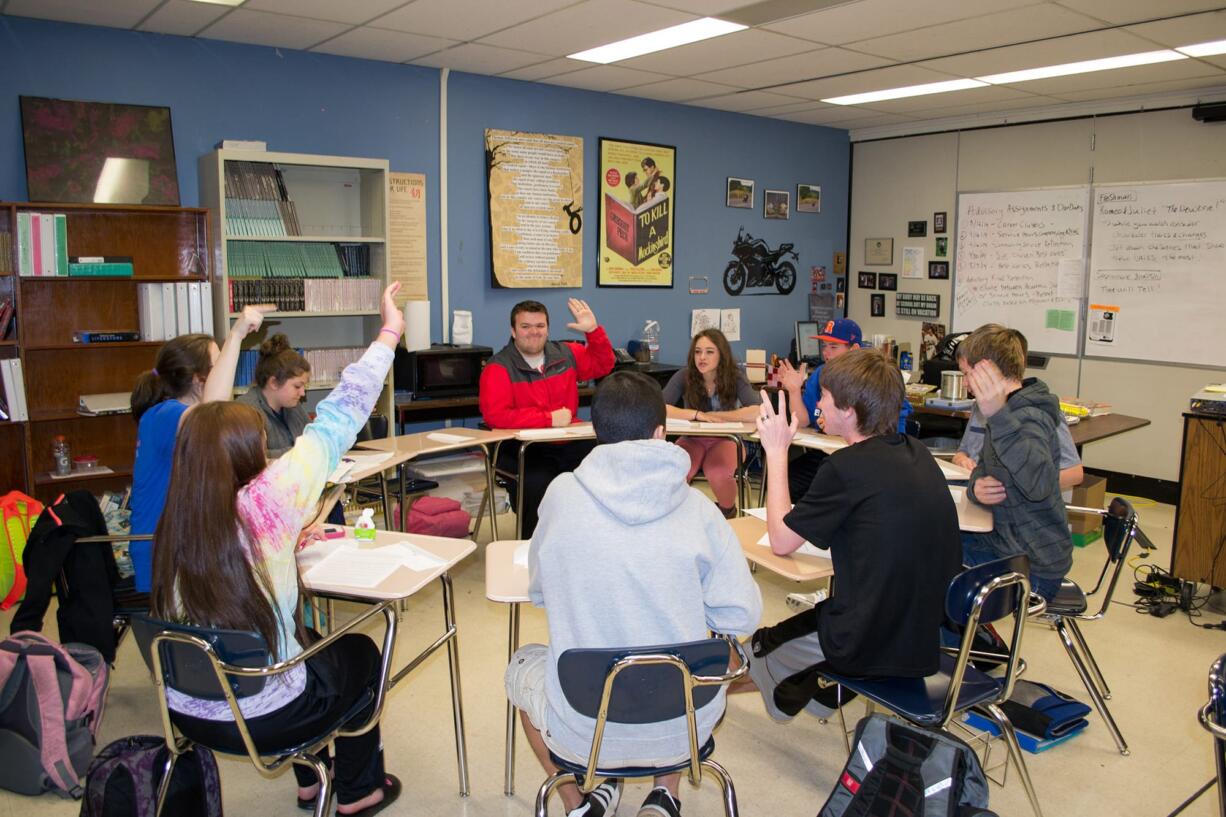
x=973, y=553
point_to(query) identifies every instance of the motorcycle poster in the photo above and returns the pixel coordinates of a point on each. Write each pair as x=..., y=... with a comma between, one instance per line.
x=757, y=265
x=637, y=191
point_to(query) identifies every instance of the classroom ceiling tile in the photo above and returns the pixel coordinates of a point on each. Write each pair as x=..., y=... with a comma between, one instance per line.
x=604, y=78
x=263, y=28
x=353, y=12
x=465, y=19
x=727, y=51
x=983, y=96
x=587, y=25
x=942, y=111
x=974, y=33
x=1213, y=88
x=1092, y=46
x=372, y=43
x=851, y=22
x=544, y=70
x=743, y=101
x=113, y=13
x=893, y=76
x=706, y=8
x=1121, y=77
x=824, y=115
x=1190, y=30
x=678, y=89
x=874, y=121
x=1131, y=11
x=480, y=59
x=798, y=106
x=182, y=17
x=821, y=62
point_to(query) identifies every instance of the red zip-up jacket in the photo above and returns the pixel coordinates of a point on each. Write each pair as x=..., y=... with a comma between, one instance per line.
x=513, y=395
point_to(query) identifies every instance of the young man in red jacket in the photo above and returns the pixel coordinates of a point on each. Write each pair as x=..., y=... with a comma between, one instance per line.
x=533, y=382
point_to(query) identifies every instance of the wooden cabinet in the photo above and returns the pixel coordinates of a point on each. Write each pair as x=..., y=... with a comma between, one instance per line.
x=166, y=244
x=1199, y=553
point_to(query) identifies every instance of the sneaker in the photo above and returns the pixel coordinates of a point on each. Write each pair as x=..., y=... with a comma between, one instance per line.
x=660, y=803
x=805, y=601
x=600, y=801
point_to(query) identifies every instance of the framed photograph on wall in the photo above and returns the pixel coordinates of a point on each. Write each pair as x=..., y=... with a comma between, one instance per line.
x=739, y=193
x=887, y=281
x=938, y=222
x=938, y=269
x=776, y=204
x=808, y=198
x=638, y=188
x=877, y=305
x=917, y=229
x=868, y=280
x=942, y=246
x=878, y=251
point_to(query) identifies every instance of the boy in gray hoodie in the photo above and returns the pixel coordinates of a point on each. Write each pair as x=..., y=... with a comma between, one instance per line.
x=1018, y=473
x=626, y=553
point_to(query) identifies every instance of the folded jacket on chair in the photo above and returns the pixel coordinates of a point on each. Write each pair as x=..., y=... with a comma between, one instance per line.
x=1044, y=711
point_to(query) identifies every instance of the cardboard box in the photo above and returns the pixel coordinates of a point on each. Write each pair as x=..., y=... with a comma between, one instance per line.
x=1091, y=493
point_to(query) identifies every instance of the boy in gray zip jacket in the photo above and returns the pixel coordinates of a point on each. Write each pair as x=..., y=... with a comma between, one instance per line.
x=1018, y=473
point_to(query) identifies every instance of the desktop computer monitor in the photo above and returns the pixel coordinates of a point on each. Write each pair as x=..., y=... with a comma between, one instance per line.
x=808, y=347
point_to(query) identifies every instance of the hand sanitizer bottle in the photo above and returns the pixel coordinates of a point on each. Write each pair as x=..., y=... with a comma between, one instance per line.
x=364, y=528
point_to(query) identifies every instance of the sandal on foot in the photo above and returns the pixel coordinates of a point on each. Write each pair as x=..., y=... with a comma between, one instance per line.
x=391, y=792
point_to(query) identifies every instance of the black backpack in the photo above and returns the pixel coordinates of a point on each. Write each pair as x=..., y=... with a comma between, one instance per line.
x=123, y=781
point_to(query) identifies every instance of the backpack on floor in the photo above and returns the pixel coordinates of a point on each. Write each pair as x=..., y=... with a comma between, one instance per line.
x=123, y=781
x=17, y=512
x=51, y=700
x=900, y=770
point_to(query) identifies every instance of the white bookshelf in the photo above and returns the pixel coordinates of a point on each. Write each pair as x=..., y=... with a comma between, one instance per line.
x=339, y=200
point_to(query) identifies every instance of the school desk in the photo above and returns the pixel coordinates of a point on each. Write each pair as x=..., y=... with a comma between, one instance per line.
x=399, y=586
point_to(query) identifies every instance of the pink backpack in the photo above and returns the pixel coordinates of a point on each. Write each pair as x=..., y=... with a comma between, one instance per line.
x=438, y=516
x=51, y=701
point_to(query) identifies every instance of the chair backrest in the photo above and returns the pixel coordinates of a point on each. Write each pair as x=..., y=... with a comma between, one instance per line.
x=645, y=693
x=186, y=667
x=1120, y=530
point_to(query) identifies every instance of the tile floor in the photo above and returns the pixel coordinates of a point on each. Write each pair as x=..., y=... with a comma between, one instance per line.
x=1156, y=667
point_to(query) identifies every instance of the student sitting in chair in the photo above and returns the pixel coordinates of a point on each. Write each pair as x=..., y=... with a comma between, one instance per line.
x=225, y=559
x=664, y=568
x=279, y=391
x=710, y=388
x=883, y=510
x=1018, y=474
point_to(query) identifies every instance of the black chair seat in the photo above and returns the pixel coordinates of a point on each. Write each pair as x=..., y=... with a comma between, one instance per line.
x=580, y=769
x=1070, y=600
x=922, y=700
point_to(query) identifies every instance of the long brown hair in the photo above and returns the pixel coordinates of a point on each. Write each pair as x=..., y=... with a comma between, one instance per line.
x=175, y=368
x=696, y=396
x=200, y=570
x=279, y=361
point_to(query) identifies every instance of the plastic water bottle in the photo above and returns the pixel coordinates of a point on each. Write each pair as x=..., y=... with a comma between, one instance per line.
x=651, y=337
x=364, y=528
x=62, y=455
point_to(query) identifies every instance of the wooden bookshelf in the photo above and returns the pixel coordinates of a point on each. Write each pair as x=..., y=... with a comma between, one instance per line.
x=166, y=244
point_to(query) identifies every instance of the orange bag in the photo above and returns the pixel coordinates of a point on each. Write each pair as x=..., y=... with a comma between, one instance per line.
x=18, y=512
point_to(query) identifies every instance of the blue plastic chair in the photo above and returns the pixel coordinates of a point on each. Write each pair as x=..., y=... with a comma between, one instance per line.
x=979, y=595
x=216, y=665
x=645, y=685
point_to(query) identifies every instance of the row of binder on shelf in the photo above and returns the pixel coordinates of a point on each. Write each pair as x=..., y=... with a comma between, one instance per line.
x=42, y=250
x=257, y=201
x=6, y=252
x=291, y=259
x=326, y=365
x=168, y=310
x=13, y=406
x=308, y=295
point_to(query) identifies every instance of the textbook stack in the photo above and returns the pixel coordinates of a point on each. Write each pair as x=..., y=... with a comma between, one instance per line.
x=42, y=244
x=257, y=202
x=308, y=295
x=326, y=365
x=293, y=259
x=170, y=309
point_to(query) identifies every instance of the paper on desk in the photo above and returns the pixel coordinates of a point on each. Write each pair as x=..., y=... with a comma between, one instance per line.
x=689, y=425
x=413, y=557
x=356, y=459
x=450, y=439
x=554, y=433
x=352, y=567
x=807, y=548
x=520, y=558
x=952, y=471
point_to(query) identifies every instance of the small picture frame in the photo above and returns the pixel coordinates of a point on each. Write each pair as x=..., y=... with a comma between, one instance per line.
x=868, y=280
x=877, y=305
x=938, y=222
x=808, y=198
x=839, y=303
x=938, y=270
x=917, y=229
x=840, y=263
x=776, y=204
x=739, y=193
x=840, y=284
x=942, y=246
x=879, y=251
x=887, y=281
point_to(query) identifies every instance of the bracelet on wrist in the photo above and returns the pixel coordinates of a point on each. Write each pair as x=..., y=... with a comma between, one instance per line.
x=391, y=332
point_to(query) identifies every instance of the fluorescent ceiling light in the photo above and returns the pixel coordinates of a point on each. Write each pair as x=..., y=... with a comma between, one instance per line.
x=1084, y=67
x=222, y=2
x=903, y=93
x=653, y=41
x=1204, y=49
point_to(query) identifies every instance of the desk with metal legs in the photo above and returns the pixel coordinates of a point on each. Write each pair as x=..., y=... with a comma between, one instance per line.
x=507, y=583
x=399, y=586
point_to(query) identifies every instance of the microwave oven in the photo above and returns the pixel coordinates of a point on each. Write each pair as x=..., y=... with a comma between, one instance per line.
x=443, y=370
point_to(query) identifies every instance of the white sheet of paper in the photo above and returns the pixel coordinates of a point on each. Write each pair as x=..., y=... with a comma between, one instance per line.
x=520, y=558
x=1070, y=278
x=413, y=557
x=672, y=424
x=352, y=567
x=730, y=323
x=581, y=430
x=913, y=262
x=807, y=548
x=450, y=439
x=952, y=471
x=701, y=319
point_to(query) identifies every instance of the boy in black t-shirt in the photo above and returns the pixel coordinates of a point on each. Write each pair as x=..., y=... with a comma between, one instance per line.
x=882, y=508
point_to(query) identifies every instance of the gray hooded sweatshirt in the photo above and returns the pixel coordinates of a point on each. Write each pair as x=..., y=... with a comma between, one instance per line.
x=627, y=554
x=1022, y=449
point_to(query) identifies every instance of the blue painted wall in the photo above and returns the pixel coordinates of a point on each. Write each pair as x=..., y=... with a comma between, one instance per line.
x=314, y=103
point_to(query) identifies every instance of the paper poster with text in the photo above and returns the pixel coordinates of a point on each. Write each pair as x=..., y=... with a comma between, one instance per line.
x=637, y=191
x=536, y=209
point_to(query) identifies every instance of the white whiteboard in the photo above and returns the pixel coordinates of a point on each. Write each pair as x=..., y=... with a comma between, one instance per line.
x=1158, y=268
x=1008, y=264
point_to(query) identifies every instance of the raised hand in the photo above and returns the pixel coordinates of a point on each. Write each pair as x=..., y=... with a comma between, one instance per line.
x=251, y=319
x=585, y=319
x=776, y=428
x=793, y=379
x=393, y=318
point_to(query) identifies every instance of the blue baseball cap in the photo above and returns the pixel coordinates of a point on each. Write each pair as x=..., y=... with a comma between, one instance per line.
x=843, y=330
